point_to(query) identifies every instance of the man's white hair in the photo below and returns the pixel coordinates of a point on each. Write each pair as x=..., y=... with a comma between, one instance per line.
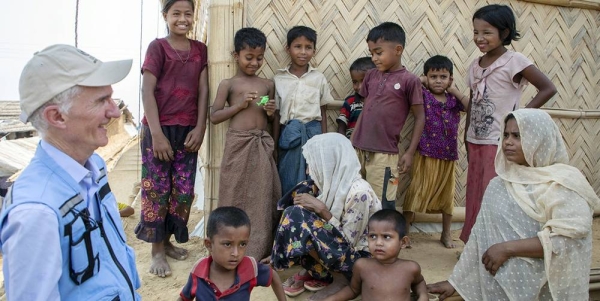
x=64, y=101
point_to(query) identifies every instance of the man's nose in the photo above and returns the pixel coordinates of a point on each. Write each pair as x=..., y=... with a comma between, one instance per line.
x=113, y=110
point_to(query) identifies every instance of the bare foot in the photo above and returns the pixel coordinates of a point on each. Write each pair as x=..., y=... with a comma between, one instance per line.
x=339, y=281
x=159, y=265
x=175, y=252
x=446, y=240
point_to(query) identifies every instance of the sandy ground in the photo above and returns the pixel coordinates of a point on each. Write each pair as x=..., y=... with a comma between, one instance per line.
x=435, y=260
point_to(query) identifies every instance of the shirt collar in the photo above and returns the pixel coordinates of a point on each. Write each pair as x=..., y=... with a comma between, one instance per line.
x=401, y=69
x=287, y=69
x=72, y=167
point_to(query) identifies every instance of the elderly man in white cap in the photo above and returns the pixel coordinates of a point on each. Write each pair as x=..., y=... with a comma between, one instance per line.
x=60, y=231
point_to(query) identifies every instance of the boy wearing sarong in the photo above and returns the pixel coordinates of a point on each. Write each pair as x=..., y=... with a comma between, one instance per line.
x=249, y=178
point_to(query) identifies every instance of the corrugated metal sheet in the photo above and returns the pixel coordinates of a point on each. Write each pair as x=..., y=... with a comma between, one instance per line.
x=9, y=118
x=10, y=110
x=14, y=126
x=16, y=154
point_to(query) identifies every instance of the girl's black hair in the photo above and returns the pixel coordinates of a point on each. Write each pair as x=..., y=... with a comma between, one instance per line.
x=168, y=3
x=508, y=117
x=438, y=62
x=501, y=17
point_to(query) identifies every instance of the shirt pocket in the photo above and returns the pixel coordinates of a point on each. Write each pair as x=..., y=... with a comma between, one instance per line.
x=311, y=94
x=83, y=257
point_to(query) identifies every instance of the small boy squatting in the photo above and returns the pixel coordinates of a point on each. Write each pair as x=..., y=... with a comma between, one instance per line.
x=385, y=276
x=227, y=274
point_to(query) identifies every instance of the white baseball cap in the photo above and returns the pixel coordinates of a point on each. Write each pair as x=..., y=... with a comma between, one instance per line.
x=61, y=67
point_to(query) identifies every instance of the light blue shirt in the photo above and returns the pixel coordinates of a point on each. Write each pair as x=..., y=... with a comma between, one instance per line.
x=35, y=264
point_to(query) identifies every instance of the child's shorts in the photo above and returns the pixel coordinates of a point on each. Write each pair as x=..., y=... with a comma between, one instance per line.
x=372, y=169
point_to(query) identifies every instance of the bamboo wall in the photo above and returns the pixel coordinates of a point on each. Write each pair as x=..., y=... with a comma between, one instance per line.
x=563, y=42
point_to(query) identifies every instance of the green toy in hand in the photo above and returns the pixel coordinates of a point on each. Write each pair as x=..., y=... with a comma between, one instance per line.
x=263, y=100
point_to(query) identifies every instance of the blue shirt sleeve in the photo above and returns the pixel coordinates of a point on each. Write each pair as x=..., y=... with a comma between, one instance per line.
x=264, y=276
x=186, y=292
x=31, y=251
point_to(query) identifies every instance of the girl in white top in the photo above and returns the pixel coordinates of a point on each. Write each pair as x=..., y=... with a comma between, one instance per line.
x=496, y=81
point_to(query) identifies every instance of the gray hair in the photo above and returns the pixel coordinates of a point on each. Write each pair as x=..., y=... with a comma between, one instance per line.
x=63, y=100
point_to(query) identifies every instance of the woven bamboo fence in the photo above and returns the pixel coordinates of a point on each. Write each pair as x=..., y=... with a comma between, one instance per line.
x=564, y=42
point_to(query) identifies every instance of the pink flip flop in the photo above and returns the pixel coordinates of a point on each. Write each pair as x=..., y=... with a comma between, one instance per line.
x=294, y=285
x=315, y=285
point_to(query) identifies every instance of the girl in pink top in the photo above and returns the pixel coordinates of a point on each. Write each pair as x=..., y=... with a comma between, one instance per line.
x=496, y=81
x=175, y=97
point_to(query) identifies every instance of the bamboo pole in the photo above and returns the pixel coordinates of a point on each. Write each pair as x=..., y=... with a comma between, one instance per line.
x=572, y=113
x=587, y=4
x=225, y=20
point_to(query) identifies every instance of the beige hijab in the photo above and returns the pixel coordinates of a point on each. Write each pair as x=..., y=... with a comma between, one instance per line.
x=334, y=166
x=544, y=190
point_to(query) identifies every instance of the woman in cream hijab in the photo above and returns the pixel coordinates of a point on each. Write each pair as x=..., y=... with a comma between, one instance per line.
x=327, y=233
x=533, y=236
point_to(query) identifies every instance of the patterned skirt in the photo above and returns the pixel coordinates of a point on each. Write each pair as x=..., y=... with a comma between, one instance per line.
x=301, y=233
x=167, y=188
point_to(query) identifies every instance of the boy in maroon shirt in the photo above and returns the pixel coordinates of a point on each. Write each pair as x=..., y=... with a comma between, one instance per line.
x=390, y=91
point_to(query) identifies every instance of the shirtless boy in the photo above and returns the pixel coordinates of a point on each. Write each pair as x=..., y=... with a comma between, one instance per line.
x=249, y=178
x=385, y=276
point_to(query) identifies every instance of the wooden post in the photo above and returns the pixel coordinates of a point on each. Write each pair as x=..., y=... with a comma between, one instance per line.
x=225, y=19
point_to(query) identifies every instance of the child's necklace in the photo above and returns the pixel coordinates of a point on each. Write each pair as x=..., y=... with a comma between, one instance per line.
x=177, y=53
x=180, y=59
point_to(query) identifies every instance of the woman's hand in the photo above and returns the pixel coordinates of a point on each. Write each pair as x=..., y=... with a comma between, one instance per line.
x=444, y=288
x=494, y=258
x=311, y=203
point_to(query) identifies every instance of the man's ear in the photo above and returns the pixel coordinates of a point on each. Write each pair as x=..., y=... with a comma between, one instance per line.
x=404, y=242
x=53, y=116
x=236, y=56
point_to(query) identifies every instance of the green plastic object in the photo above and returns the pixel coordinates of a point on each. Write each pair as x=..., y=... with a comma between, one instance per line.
x=263, y=100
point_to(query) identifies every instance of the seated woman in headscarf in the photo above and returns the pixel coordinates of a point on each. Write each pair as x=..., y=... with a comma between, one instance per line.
x=533, y=236
x=326, y=234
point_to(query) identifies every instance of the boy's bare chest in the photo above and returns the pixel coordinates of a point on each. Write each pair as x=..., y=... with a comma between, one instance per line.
x=239, y=88
x=386, y=285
